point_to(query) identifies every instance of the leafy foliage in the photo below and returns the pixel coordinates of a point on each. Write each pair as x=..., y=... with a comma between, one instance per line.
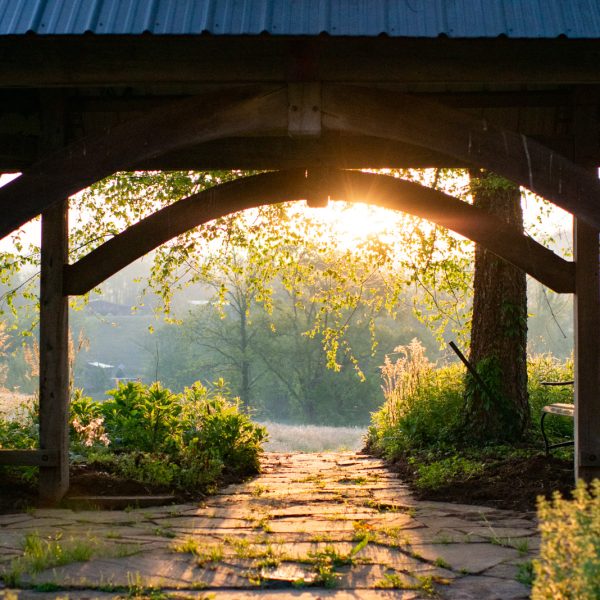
x=146, y=433
x=421, y=420
x=569, y=563
x=423, y=405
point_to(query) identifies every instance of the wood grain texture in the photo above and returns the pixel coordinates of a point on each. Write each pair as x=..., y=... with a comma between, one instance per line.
x=587, y=352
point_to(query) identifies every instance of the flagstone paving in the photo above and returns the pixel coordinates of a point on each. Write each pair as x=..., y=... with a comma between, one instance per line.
x=332, y=525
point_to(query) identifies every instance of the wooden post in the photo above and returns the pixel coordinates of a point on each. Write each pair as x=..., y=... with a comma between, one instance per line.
x=54, y=325
x=54, y=349
x=587, y=351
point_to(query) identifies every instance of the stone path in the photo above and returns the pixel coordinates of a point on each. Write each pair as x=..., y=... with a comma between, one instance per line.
x=334, y=525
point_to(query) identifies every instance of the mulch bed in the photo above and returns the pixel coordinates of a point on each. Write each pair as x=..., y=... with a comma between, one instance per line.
x=16, y=496
x=512, y=484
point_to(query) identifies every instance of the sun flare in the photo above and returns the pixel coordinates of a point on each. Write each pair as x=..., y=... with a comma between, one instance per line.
x=354, y=222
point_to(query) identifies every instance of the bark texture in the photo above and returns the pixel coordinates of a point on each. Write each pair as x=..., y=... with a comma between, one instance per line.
x=499, y=326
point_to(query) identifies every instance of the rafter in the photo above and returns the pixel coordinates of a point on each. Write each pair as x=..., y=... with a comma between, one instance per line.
x=270, y=188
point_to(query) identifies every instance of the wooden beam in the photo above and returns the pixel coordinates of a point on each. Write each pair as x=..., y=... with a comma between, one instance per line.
x=54, y=350
x=269, y=188
x=587, y=352
x=475, y=141
x=176, y=126
x=29, y=458
x=129, y=61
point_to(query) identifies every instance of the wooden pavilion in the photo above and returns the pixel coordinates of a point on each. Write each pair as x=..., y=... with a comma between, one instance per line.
x=306, y=89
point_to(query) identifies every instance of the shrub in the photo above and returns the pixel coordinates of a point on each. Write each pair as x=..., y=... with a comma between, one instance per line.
x=186, y=440
x=569, y=563
x=422, y=407
x=144, y=418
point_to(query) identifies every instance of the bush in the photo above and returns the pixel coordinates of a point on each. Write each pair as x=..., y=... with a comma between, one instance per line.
x=423, y=405
x=569, y=563
x=148, y=434
x=186, y=441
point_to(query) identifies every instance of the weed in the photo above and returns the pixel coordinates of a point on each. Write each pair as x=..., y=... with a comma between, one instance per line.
x=441, y=563
x=522, y=546
x=525, y=574
x=40, y=554
x=353, y=481
x=264, y=523
x=393, y=537
x=258, y=490
x=396, y=581
x=362, y=531
x=443, y=538
x=47, y=587
x=204, y=553
x=164, y=532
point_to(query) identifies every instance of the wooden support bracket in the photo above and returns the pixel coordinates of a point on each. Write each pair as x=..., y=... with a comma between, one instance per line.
x=304, y=109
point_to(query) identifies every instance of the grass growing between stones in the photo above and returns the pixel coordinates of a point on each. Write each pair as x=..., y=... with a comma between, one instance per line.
x=40, y=554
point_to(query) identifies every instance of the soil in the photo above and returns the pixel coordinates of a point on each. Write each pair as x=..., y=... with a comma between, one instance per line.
x=512, y=484
x=16, y=495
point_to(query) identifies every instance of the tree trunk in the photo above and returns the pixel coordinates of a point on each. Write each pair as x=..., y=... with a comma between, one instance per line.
x=498, y=327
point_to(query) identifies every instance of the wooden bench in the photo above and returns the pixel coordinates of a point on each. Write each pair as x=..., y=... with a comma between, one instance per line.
x=559, y=408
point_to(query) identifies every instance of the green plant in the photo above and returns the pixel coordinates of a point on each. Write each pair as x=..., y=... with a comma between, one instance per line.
x=423, y=405
x=439, y=473
x=40, y=554
x=569, y=563
x=525, y=573
x=143, y=417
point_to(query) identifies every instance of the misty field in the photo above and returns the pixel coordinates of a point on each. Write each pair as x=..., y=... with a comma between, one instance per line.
x=312, y=438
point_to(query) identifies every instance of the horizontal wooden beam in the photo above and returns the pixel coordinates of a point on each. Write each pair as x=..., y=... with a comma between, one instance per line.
x=270, y=188
x=176, y=126
x=455, y=133
x=29, y=458
x=124, y=61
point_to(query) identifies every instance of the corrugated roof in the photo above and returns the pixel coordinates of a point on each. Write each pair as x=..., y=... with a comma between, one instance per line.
x=397, y=18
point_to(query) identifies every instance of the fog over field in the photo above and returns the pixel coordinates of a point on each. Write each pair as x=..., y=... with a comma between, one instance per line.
x=312, y=438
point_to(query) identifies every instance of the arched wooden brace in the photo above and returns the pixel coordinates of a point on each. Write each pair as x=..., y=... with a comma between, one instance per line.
x=263, y=111
x=181, y=124
x=457, y=134
x=269, y=188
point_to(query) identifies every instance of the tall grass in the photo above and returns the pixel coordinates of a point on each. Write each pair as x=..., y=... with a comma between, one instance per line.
x=423, y=404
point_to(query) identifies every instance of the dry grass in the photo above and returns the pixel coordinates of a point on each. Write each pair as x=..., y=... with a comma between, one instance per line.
x=11, y=403
x=312, y=438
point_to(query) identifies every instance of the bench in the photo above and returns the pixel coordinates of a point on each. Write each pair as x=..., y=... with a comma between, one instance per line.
x=562, y=409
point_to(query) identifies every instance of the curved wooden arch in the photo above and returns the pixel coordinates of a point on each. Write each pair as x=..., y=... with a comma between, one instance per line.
x=264, y=111
x=176, y=126
x=405, y=118
x=269, y=188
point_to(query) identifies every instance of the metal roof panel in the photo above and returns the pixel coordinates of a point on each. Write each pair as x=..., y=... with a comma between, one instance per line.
x=394, y=18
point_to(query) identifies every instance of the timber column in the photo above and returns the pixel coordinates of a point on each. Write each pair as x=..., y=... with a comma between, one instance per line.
x=54, y=349
x=587, y=351
x=54, y=324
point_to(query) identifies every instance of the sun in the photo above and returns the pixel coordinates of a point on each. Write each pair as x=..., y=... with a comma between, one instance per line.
x=354, y=222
